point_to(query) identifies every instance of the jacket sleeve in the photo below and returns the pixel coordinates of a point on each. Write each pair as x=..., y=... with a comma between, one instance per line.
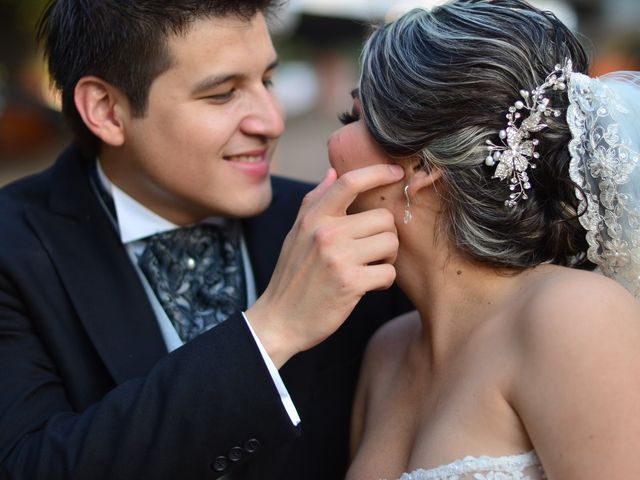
x=201, y=412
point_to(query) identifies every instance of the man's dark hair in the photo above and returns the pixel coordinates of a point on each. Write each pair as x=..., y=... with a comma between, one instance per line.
x=123, y=42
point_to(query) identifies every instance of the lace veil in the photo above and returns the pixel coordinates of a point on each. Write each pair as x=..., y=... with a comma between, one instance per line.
x=604, y=118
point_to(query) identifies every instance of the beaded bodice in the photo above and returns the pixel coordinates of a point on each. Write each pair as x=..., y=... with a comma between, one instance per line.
x=525, y=466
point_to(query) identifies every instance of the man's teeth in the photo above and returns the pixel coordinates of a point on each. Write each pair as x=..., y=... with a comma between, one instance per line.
x=246, y=159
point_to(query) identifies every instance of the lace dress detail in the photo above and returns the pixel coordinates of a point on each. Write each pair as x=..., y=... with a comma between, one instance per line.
x=525, y=466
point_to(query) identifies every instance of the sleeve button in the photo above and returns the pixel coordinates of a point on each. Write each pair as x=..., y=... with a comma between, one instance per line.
x=220, y=464
x=235, y=454
x=252, y=445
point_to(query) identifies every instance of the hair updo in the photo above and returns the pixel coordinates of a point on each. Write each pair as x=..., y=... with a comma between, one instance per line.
x=437, y=84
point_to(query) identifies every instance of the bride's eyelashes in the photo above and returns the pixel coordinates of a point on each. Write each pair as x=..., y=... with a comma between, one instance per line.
x=349, y=117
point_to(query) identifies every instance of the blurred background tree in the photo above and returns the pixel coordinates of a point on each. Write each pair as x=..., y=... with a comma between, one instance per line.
x=17, y=22
x=29, y=127
x=318, y=43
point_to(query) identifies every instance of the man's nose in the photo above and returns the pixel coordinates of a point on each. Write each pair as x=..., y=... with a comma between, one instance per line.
x=266, y=117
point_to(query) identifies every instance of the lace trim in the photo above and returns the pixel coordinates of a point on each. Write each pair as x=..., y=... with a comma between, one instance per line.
x=602, y=164
x=470, y=464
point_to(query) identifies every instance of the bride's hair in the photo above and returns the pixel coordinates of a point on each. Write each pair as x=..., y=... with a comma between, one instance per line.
x=437, y=85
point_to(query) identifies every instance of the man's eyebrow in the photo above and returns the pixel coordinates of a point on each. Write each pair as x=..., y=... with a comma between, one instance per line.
x=212, y=81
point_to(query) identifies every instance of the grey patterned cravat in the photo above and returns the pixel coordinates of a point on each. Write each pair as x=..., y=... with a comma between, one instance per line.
x=197, y=275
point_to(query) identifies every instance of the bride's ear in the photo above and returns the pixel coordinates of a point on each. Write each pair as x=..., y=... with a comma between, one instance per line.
x=100, y=105
x=422, y=179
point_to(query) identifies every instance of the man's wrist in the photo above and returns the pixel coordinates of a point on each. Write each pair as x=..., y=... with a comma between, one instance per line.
x=287, y=402
x=271, y=336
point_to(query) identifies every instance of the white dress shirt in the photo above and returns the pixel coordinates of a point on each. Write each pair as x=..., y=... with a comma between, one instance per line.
x=135, y=223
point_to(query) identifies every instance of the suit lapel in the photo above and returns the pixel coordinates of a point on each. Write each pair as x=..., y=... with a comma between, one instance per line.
x=97, y=274
x=266, y=232
x=265, y=235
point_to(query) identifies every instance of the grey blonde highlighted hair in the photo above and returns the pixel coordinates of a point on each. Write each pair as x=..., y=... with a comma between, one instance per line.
x=437, y=84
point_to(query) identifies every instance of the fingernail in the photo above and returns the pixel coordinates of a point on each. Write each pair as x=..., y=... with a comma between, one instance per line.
x=397, y=170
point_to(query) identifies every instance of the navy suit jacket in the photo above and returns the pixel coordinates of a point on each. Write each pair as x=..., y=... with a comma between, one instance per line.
x=87, y=388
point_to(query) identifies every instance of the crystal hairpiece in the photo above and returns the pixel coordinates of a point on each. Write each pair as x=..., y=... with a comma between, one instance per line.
x=517, y=152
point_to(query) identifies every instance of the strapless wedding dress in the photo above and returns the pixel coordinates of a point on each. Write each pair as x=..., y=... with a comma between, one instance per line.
x=525, y=466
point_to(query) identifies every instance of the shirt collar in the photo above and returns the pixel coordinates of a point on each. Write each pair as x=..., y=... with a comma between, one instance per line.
x=135, y=221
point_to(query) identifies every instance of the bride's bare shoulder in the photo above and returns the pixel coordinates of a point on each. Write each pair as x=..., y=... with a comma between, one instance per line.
x=574, y=363
x=565, y=304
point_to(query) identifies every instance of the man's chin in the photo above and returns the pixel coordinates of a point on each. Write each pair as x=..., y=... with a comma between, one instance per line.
x=252, y=209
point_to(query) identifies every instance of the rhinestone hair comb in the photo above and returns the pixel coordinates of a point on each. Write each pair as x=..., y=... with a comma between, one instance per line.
x=517, y=152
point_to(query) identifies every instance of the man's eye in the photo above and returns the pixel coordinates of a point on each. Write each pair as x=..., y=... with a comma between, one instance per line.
x=221, y=97
x=348, y=117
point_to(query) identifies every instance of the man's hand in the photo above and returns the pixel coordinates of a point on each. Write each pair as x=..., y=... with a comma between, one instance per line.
x=329, y=260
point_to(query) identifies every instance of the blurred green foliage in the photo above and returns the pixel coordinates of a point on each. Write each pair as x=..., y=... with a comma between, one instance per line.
x=18, y=19
x=24, y=13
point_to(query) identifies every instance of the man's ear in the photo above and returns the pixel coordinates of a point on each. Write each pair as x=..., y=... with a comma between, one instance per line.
x=100, y=105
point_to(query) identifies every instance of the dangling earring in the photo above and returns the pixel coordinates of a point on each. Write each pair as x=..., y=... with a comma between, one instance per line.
x=407, y=206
